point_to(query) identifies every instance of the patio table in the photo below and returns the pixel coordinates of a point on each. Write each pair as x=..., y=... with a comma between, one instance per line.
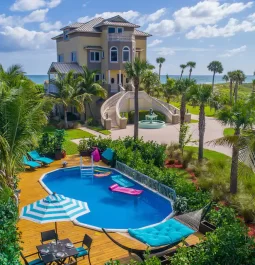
x=60, y=246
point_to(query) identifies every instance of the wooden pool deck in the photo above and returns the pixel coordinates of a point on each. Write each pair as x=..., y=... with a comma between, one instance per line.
x=102, y=248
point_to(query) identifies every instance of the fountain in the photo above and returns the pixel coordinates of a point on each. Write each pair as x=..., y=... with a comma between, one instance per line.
x=151, y=121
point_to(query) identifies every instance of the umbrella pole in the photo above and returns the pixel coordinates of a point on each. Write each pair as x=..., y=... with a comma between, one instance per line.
x=56, y=229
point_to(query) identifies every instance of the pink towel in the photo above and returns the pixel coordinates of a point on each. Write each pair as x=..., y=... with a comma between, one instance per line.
x=96, y=155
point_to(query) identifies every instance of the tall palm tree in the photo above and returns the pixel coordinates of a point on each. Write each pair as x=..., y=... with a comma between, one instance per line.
x=89, y=87
x=12, y=76
x=169, y=89
x=238, y=116
x=225, y=78
x=69, y=93
x=183, y=86
x=238, y=77
x=182, y=66
x=191, y=66
x=201, y=95
x=160, y=61
x=215, y=67
x=230, y=76
x=135, y=72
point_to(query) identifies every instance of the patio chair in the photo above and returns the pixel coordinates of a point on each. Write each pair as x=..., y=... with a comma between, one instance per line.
x=71, y=261
x=33, y=262
x=31, y=164
x=84, y=251
x=49, y=235
x=35, y=156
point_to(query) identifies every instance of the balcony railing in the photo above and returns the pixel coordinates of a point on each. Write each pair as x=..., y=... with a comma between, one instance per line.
x=120, y=37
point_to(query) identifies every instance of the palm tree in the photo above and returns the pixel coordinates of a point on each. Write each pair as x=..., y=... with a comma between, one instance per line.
x=238, y=77
x=182, y=66
x=230, y=76
x=160, y=61
x=88, y=86
x=225, y=78
x=191, y=65
x=150, y=82
x=215, y=67
x=135, y=72
x=201, y=95
x=169, y=89
x=12, y=76
x=69, y=93
x=238, y=116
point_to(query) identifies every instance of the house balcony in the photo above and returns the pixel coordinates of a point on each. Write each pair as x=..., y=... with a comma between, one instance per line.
x=121, y=37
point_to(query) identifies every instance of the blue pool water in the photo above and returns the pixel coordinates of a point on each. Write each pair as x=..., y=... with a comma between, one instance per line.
x=108, y=209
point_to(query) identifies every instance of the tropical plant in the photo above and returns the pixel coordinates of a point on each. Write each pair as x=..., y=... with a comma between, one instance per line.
x=215, y=67
x=160, y=61
x=150, y=82
x=185, y=137
x=180, y=205
x=225, y=78
x=239, y=116
x=253, y=85
x=13, y=76
x=135, y=71
x=230, y=75
x=238, y=77
x=182, y=66
x=191, y=65
x=88, y=87
x=169, y=89
x=200, y=95
x=69, y=93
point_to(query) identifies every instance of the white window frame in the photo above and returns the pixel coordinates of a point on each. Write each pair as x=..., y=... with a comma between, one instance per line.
x=111, y=28
x=99, y=77
x=94, y=61
x=118, y=30
x=111, y=54
x=72, y=57
x=123, y=54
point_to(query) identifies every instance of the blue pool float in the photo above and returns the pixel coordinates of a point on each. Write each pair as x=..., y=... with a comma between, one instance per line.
x=122, y=181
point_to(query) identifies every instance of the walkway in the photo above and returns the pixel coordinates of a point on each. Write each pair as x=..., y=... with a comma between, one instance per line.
x=102, y=248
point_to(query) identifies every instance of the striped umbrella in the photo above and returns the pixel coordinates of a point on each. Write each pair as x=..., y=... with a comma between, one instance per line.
x=54, y=208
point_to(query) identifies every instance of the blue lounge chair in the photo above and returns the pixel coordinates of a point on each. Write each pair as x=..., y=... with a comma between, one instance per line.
x=35, y=156
x=31, y=164
x=108, y=156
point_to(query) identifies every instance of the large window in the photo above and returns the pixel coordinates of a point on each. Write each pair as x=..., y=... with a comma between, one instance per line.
x=73, y=57
x=97, y=77
x=61, y=58
x=120, y=30
x=114, y=55
x=111, y=30
x=126, y=54
x=95, y=56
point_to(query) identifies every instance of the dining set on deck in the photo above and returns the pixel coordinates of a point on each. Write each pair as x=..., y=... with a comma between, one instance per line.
x=53, y=250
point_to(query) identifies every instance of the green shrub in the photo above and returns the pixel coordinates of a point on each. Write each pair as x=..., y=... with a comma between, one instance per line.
x=142, y=114
x=222, y=216
x=180, y=205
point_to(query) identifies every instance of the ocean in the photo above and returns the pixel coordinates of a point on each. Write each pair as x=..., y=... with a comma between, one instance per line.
x=201, y=79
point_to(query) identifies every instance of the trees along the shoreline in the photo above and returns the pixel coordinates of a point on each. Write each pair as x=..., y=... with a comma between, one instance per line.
x=238, y=77
x=150, y=82
x=200, y=96
x=135, y=72
x=191, y=66
x=183, y=67
x=215, y=67
x=169, y=89
x=160, y=61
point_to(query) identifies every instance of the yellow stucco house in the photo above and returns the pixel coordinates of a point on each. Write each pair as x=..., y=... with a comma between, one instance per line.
x=101, y=44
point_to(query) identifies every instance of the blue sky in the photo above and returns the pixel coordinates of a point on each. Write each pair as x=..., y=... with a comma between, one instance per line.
x=184, y=30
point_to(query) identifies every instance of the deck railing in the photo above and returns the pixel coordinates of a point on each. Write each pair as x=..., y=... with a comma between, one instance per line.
x=120, y=37
x=147, y=181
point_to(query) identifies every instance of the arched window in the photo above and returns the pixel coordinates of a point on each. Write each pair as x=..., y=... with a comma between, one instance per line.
x=114, y=55
x=126, y=54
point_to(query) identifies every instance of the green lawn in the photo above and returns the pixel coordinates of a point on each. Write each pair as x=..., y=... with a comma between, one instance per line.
x=100, y=130
x=71, y=134
x=228, y=132
x=193, y=121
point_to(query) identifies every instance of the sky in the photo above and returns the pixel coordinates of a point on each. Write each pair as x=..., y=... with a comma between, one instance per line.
x=183, y=30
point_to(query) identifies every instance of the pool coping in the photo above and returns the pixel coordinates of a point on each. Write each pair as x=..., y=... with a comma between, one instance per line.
x=111, y=229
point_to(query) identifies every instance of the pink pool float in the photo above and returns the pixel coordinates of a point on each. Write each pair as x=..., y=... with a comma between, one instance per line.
x=117, y=188
x=96, y=155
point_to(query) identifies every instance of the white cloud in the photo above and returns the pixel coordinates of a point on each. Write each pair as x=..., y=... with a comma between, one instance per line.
x=164, y=28
x=36, y=16
x=211, y=45
x=230, y=53
x=18, y=38
x=28, y=5
x=10, y=20
x=154, y=43
x=131, y=15
x=46, y=26
x=206, y=13
x=233, y=26
x=164, y=51
x=252, y=17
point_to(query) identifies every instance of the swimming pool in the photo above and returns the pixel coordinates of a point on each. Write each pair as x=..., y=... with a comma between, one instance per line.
x=111, y=210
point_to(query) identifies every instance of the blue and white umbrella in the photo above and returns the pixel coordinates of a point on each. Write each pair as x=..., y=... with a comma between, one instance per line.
x=54, y=208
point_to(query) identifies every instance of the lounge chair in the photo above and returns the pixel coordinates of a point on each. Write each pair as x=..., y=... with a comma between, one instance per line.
x=35, y=156
x=108, y=157
x=163, y=236
x=31, y=164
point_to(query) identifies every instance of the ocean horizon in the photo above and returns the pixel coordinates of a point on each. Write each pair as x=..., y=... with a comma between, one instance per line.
x=201, y=79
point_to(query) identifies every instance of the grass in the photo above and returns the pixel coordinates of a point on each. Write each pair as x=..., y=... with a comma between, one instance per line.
x=193, y=121
x=71, y=134
x=100, y=130
x=228, y=131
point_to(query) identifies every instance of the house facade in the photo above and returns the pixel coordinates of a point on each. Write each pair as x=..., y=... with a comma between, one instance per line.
x=101, y=44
